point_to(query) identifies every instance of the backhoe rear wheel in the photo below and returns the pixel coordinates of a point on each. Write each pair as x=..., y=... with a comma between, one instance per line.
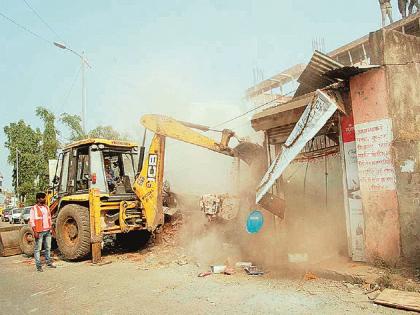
x=27, y=241
x=73, y=232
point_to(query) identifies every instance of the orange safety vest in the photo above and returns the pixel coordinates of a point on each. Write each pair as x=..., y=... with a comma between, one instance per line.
x=39, y=222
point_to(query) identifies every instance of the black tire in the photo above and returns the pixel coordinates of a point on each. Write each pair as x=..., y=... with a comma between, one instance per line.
x=133, y=240
x=73, y=232
x=26, y=240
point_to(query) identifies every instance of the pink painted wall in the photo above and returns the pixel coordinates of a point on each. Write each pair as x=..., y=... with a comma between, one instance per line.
x=374, y=138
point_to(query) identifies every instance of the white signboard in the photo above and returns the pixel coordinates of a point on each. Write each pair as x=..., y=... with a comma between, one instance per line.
x=374, y=141
x=352, y=191
x=315, y=116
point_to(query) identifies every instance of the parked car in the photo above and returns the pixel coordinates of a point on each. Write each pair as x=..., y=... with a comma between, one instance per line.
x=15, y=215
x=24, y=217
x=5, y=215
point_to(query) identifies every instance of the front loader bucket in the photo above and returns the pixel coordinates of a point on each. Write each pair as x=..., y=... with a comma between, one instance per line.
x=9, y=241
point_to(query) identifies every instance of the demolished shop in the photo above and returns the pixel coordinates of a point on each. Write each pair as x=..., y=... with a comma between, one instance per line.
x=344, y=151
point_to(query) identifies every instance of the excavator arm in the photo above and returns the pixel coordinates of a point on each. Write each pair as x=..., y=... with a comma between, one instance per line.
x=149, y=182
x=182, y=131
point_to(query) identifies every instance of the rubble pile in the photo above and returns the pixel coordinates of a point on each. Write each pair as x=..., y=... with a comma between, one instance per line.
x=171, y=228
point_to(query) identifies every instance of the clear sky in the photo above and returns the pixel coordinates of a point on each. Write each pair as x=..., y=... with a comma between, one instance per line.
x=188, y=59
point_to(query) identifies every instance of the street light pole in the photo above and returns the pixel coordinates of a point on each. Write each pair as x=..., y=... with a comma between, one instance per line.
x=83, y=94
x=17, y=173
x=84, y=63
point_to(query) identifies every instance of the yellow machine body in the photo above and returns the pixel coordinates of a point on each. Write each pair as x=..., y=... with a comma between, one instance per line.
x=112, y=213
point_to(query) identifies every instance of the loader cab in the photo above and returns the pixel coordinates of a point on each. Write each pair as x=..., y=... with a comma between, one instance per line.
x=109, y=166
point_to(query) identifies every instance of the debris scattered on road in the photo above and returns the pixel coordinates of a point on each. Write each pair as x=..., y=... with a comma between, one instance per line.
x=103, y=263
x=182, y=262
x=348, y=285
x=253, y=271
x=243, y=264
x=371, y=288
x=309, y=276
x=204, y=274
x=373, y=295
x=218, y=268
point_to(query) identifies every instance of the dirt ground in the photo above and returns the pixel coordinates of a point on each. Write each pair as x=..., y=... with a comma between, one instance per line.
x=163, y=279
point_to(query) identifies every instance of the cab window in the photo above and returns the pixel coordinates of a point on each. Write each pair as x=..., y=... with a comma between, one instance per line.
x=97, y=170
x=64, y=173
x=82, y=175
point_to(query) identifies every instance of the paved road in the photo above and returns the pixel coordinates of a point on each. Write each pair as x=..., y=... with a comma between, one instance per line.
x=153, y=283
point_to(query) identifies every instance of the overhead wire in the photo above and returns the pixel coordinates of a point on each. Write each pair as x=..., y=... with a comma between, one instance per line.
x=242, y=115
x=25, y=28
x=234, y=118
x=249, y=111
x=42, y=20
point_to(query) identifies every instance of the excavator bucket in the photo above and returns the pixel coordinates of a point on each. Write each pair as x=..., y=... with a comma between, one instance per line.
x=251, y=153
x=9, y=241
x=183, y=131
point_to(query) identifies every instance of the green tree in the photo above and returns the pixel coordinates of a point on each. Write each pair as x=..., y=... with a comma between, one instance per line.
x=50, y=143
x=106, y=132
x=74, y=123
x=24, y=141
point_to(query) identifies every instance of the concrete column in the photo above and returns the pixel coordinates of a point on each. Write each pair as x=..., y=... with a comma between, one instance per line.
x=374, y=136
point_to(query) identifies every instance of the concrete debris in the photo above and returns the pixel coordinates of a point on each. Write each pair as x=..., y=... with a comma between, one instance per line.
x=309, y=276
x=243, y=264
x=373, y=295
x=348, y=285
x=253, y=271
x=182, y=262
x=371, y=288
x=170, y=211
x=229, y=271
x=219, y=206
x=218, y=268
x=204, y=274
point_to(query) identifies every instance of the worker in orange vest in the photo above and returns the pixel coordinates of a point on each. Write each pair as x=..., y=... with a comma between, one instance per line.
x=40, y=221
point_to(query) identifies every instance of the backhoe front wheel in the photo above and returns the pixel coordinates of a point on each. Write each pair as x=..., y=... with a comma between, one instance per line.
x=73, y=232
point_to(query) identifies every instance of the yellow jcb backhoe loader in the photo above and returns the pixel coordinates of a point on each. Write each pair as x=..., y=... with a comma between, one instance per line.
x=100, y=189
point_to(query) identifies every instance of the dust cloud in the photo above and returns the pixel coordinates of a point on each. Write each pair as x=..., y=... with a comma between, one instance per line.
x=311, y=228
